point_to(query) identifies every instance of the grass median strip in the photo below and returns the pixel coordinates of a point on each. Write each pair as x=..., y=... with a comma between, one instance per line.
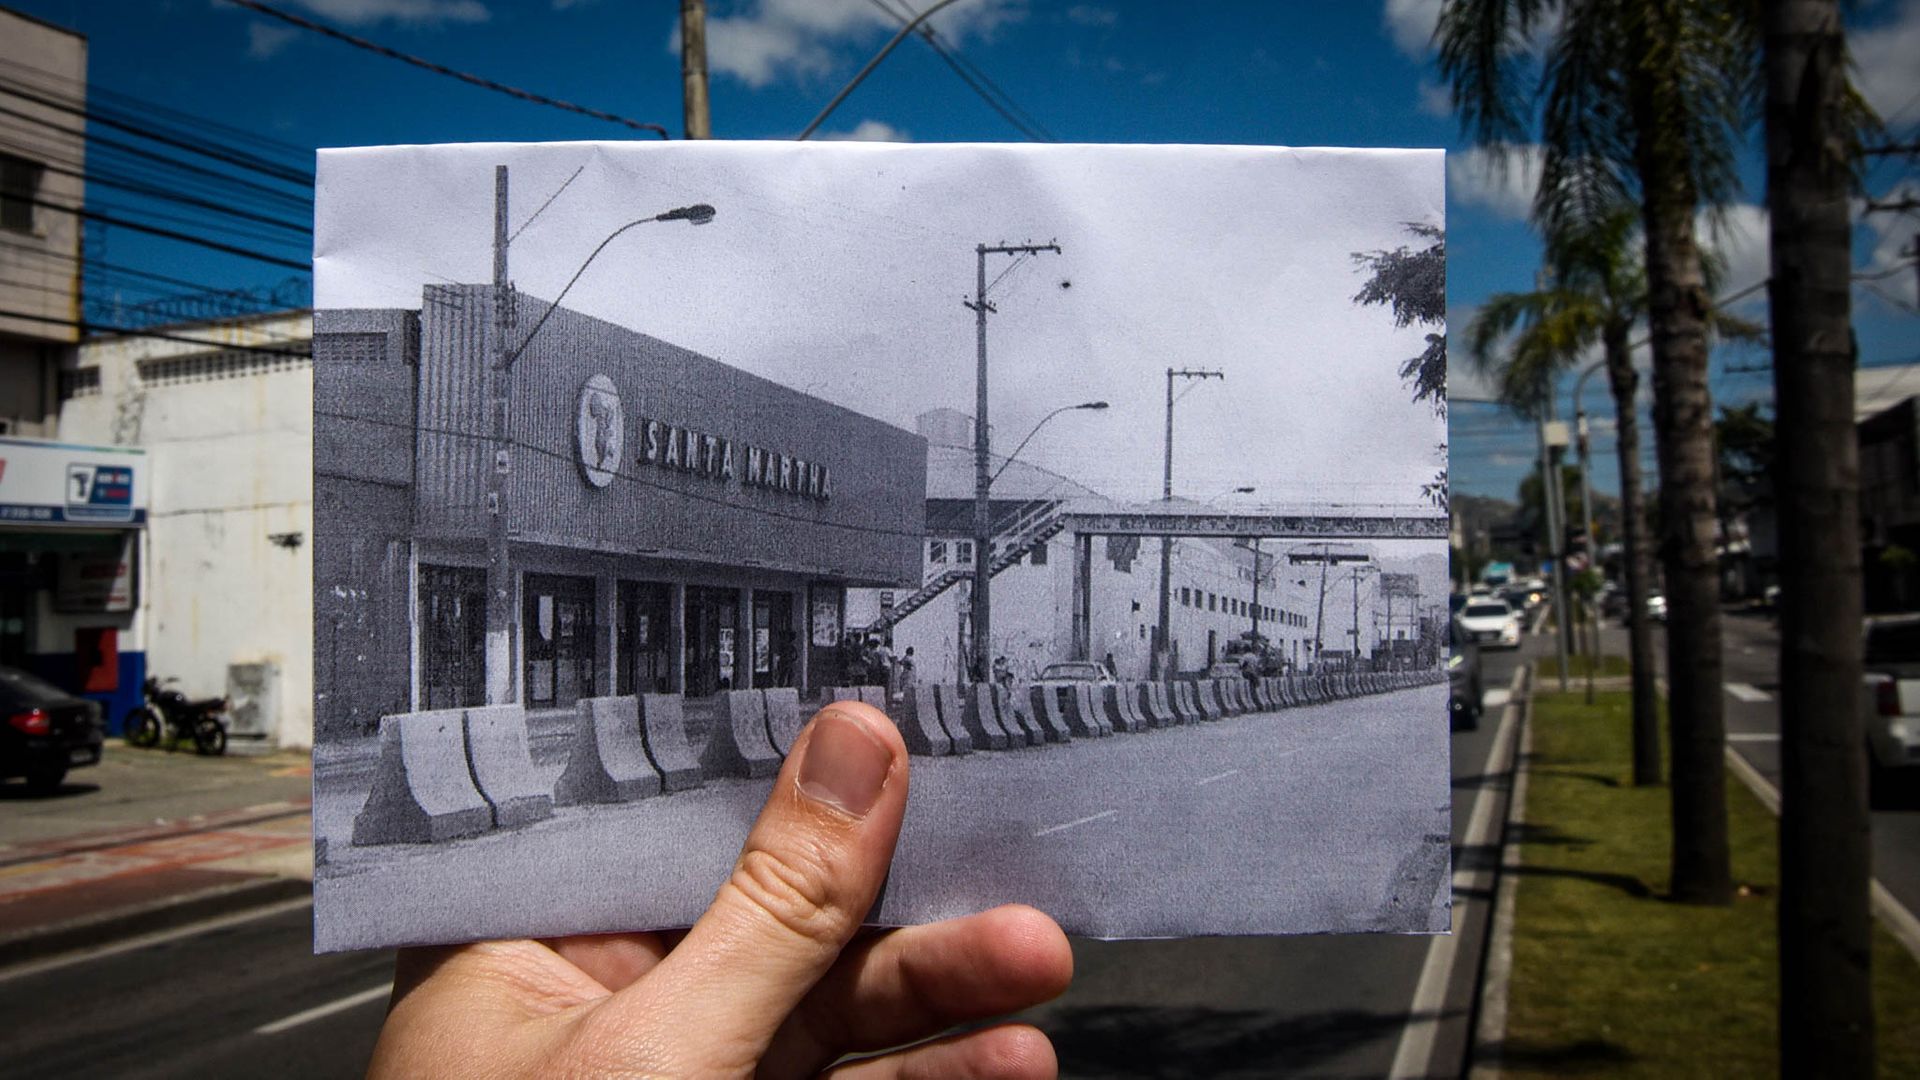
x=1608, y=976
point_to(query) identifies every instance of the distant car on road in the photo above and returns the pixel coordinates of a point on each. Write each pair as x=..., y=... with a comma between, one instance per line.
x=1657, y=607
x=47, y=732
x=1491, y=623
x=1891, y=703
x=1463, y=671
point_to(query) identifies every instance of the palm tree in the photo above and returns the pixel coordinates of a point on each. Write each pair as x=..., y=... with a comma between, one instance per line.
x=1641, y=100
x=1813, y=121
x=1595, y=294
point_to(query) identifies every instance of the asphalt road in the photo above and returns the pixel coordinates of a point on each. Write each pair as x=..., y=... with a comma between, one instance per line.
x=249, y=997
x=1751, y=651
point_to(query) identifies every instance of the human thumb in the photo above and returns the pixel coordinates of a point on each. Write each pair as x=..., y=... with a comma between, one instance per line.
x=809, y=872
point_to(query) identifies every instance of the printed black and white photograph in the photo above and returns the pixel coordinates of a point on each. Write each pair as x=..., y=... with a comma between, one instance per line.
x=1115, y=475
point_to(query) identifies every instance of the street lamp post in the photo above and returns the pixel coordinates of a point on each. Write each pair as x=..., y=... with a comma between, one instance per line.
x=982, y=480
x=1161, y=659
x=1091, y=405
x=501, y=687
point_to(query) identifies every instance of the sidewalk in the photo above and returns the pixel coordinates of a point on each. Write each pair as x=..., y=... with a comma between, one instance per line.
x=148, y=840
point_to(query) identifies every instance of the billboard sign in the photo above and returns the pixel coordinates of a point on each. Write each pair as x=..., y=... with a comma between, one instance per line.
x=50, y=483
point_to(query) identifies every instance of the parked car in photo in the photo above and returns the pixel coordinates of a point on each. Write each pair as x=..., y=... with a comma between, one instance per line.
x=1463, y=672
x=1657, y=607
x=1072, y=672
x=48, y=731
x=1891, y=704
x=1491, y=623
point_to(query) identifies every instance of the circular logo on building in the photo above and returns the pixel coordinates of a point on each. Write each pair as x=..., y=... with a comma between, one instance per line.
x=598, y=428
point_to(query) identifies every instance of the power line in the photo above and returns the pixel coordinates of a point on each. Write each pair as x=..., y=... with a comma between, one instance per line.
x=152, y=155
x=205, y=148
x=85, y=326
x=170, y=234
x=440, y=69
x=970, y=74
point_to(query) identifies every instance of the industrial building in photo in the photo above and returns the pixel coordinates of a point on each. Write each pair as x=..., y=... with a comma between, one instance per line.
x=673, y=524
x=1220, y=587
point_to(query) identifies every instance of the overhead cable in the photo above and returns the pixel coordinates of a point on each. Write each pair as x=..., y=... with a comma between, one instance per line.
x=441, y=69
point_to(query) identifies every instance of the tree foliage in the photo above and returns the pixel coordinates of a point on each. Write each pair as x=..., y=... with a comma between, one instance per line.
x=1412, y=283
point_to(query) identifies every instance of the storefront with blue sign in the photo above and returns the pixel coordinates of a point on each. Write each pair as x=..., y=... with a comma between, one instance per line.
x=71, y=520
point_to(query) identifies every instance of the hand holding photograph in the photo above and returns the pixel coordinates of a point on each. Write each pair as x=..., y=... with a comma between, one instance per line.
x=1114, y=475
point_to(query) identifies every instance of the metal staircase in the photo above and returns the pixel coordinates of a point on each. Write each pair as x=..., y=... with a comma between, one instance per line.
x=1035, y=524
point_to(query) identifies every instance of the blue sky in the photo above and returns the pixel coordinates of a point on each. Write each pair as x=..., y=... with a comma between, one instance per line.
x=1356, y=73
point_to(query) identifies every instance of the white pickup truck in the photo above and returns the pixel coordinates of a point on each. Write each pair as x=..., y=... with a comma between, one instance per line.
x=1891, y=703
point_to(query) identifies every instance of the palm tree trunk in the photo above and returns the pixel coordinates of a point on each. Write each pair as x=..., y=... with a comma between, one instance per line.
x=1683, y=434
x=1625, y=383
x=1826, y=1001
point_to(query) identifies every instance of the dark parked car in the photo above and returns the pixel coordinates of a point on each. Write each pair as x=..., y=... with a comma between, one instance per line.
x=1463, y=670
x=47, y=732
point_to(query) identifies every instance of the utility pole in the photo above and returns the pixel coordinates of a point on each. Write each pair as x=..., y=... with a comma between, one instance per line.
x=982, y=475
x=1355, y=666
x=1550, y=504
x=693, y=69
x=500, y=613
x=1161, y=660
x=1256, y=596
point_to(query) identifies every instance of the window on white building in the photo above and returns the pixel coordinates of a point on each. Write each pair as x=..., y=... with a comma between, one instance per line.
x=19, y=187
x=936, y=551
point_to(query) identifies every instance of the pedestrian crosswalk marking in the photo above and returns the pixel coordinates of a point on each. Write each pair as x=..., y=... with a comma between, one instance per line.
x=1748, y=692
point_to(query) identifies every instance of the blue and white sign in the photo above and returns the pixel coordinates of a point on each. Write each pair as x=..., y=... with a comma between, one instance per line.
x=50, y=483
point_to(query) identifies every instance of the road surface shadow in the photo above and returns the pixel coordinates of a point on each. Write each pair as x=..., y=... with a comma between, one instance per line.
x=1138, y=1041
x=1581, y=1056
x=20, y=792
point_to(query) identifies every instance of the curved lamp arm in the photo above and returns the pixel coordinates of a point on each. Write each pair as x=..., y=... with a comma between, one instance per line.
x=698, y=214
x=1036, y=430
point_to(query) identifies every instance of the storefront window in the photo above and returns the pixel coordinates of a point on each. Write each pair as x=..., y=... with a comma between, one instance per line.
x=557, y=626
x=645, y=644
x=712, y=618
x=453, y=628
x=776, y=651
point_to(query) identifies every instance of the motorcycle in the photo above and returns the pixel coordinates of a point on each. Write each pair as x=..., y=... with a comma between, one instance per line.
x=170, y=712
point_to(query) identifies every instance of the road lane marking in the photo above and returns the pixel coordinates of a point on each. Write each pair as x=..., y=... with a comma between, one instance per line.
x=1071, y=824
x=158, y=937
x=1205, y=780
x=307, y=1016
x=1753, y=736
x=1497, y=698
x=1413, y=1056
x=1748, y=692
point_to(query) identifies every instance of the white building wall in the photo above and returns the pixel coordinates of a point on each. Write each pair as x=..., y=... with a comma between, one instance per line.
x=229, y=438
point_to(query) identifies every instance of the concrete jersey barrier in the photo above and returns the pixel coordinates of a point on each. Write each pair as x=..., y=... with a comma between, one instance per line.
x=607, y=762
x=919, y=725
x=783, y=718
x=1117, y=704
x=422, y=792
x=977, y=716
x=740, y=745
x=952, y=719
x=1014, y=719
x=502, y=763
x=1046, y=712
x=663, y=728
x=1083, y=718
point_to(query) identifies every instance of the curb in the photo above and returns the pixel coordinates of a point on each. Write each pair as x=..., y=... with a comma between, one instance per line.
x=1496, y=979
x=1886, y=907
x=165, y=913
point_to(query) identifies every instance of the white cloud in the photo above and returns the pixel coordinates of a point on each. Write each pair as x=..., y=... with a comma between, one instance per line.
x=265, y=40
x=1435, y=99
x=1090, y=15
x=364, y=12
x=1892, y=255
x=870, y=131
x=1888, y=61
x=1740, y=240
x=773, y=39
x=1505, y=184
x=1411, y=23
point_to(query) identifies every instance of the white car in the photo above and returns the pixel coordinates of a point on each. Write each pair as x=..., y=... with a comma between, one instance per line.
x=1891, y=702
x=1657, y=608
x=1491, y=624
